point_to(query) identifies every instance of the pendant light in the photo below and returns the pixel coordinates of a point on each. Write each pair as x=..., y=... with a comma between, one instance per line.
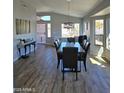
x=68, y=24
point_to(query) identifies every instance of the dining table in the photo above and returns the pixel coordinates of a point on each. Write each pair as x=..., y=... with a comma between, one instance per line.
x=71, y=44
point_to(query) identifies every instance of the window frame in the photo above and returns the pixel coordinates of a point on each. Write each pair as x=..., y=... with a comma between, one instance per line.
x=47, y=30
x=99, y=34
x=70, y=36
x=107, y=42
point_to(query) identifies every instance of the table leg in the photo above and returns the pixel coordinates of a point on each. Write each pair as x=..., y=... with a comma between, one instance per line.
x=19, y=51
x=34, y=47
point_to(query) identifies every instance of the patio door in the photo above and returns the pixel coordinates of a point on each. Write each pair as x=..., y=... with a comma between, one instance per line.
x=41, y=33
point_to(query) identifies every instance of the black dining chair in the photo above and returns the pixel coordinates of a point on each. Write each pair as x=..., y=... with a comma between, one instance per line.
x=82, y=40
x=59, y=42
x=83, y=56
x=70, y=58
x=59, y=54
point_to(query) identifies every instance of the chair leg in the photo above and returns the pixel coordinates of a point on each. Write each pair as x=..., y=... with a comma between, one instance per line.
x=76, y=74
x=58, y=63
x=80, y=65
x=85, y=65
x=63, y=74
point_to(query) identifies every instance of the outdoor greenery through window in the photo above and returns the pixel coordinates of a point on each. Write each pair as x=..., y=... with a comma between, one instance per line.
x=70, y=32
x=99, y=31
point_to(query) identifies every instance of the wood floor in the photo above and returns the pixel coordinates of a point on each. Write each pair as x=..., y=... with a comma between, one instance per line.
x=38, y=74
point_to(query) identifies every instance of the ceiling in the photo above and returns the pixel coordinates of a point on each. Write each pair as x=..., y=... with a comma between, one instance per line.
x=78, y=8
x=103, y=12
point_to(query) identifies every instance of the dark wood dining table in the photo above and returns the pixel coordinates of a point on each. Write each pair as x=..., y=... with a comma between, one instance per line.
x=72, y=44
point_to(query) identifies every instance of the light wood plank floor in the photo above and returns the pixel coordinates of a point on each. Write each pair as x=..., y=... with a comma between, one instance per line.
x=38, y=74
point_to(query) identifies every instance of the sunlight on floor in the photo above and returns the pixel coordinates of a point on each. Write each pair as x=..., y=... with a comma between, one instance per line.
x=93, y=61
x=100, y=58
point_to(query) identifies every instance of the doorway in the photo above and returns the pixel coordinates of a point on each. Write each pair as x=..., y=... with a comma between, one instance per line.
x=41, y=33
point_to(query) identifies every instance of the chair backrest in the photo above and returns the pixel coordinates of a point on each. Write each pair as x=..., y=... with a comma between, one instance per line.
x=82, y=38
x=58, y=41
x=71, y=39
x=70, y=55
x=86, y=48
x=83, y=44
x=56, y=45
x=87, y=45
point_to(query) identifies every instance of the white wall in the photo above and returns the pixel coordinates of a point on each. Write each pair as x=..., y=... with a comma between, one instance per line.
x=21, y=12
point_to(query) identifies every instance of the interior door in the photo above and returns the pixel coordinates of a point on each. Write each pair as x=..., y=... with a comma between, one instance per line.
x=41, y=33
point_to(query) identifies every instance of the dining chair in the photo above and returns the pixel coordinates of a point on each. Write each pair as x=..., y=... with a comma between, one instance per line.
x=83, y=56
x=70, y=58
x=71, y=39
x=59, y=54
x=59, y=42
x=56, y=44
x=82, y=40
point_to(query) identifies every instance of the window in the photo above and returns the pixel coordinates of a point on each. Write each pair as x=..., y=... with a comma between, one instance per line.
x=49, y=30
x=86, y=26
x=70, y=32
x=99, y=31
x=46, y=18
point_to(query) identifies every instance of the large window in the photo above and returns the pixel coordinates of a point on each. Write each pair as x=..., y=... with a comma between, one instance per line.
x=99, y=31
x=70, y=32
